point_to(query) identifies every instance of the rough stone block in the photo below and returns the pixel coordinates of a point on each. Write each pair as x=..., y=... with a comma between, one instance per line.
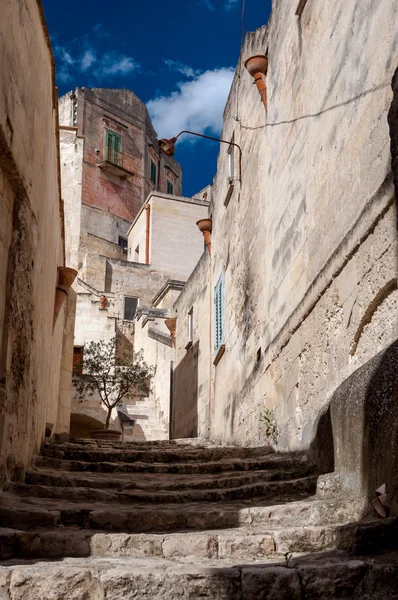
x=272, y=583
x=249, y=547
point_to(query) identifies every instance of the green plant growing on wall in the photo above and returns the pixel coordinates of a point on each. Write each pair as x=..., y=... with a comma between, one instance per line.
x=288, y=557
x=267, y=418
x=112, y=377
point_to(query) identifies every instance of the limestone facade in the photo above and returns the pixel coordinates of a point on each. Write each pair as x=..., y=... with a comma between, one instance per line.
x=121, y=160
x=35, y=358
x=306, y=238
x=110, y=163
x=166, y=226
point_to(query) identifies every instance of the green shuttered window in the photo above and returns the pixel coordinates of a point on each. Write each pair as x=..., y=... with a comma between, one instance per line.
x=153, y=172
x=113, y=147
x=170, y=187
x=219, y=328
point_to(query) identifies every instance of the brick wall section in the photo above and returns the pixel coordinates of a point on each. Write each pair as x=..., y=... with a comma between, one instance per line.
x=122, y=112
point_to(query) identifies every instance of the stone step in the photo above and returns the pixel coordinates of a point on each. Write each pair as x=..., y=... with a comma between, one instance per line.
x=243, y=544
x=113, y=444
x=298, y=488
x=160, y=481
x=212, y=466
x=330, y=576
x=152, y=455
x=26, y=514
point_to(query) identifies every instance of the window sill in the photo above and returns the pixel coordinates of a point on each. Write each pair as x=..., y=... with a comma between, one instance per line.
x=219, y=354
x=189, y=345
x=229, y=194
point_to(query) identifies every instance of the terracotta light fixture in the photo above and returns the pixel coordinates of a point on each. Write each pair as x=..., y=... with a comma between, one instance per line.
x=168, y=146
x=66, y=277
x=205, y=226
x=258, y=66
x=171, y=325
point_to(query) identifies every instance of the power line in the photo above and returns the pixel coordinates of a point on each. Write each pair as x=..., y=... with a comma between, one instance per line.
x=242, y=39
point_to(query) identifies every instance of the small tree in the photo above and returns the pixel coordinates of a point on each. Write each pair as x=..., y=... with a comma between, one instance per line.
x=112, y=377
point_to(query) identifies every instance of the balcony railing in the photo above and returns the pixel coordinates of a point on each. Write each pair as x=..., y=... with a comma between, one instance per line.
x=116, y=162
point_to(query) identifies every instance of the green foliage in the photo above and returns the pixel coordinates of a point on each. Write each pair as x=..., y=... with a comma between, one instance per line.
x=288, y=556
x=112, y=377
x=268, y=420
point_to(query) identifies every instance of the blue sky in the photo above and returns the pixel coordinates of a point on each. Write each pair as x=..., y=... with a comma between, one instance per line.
x=178, y=56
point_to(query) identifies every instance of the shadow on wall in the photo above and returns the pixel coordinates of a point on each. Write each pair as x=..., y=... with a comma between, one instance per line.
x=82, y=425
x=134, y=434
x=364, y=409
x=125, y=341
x=364, y=415
x=185, y=404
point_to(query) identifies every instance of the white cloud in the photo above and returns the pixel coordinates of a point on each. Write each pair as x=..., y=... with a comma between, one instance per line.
x=100, y=31
x=198, y=105
x=116, y=64
x=87, y=60
x=230, y=4
x=81, y=55
x=63, y=55
x=64, y=76
x=179, y=67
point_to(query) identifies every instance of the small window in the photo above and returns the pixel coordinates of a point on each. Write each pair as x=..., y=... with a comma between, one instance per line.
x=153, y=172
x=190, y=325
x=113, y=147
x=137, y=254
x=123, y=242
x=170, y=187
x=219, y=335
x=77, y=360
x=130, y=307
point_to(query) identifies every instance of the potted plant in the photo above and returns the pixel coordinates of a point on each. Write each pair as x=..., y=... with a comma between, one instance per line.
x=112, y=377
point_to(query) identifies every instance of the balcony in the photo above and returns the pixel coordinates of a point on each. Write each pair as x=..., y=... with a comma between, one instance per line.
x=115, y=162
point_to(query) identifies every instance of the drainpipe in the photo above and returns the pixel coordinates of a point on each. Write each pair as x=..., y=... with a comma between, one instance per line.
x=258, y=67
x=147, y=229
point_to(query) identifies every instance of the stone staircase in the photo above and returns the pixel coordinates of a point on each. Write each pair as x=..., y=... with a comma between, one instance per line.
x=150, y=427
x=178, y=520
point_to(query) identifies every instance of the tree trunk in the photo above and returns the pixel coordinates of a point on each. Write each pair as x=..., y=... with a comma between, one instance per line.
x=108, y=418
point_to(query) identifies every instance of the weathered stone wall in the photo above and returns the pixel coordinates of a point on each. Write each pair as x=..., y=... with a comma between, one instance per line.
x=71, y=149
x=193, y=362
x=100, y=205
x=307, y=242
x=123, y=112
x=175, y=243
x=158, y=353
x=31, y=237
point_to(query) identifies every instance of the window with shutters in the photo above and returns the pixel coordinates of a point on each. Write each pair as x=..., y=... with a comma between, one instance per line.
x=113, y=147
x=153, y=172
x=130, y=307
x=77, y=360
x=219, y=333
x=123, y=243
x=170, y=187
